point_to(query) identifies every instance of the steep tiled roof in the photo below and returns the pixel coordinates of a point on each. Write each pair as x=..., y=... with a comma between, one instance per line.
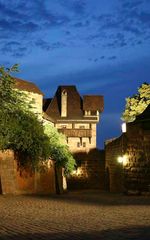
x=74, y=104
x=46, y=117
x=27, y=86
x=93, y=102
x=46, y=102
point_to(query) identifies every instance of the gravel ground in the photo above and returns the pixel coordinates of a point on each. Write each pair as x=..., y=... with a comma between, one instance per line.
x=75, y=215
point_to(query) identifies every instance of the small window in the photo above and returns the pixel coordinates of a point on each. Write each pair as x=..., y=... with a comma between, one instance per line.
x=82, y=127
x=78, y=144
x=63, y=126
x=84, y=144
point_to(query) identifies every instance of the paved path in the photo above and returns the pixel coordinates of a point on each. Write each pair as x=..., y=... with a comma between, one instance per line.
x=76, y=215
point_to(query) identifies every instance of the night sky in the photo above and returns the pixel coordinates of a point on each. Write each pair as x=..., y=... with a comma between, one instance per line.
x=102, y=47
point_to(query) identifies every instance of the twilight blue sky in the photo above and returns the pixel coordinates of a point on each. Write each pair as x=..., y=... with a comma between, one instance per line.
x=102, y=47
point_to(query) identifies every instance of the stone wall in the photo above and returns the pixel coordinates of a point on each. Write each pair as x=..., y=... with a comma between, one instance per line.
x=113, y=169
x=133, y=175
x=16, y=180
x=8, y=173
x=90, y=171
x=137, y=168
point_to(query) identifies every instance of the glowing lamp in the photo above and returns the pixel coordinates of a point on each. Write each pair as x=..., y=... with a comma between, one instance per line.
x=124, y=127
x=120, y=159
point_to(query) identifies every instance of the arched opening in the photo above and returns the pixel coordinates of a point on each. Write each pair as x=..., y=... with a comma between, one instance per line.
x=107, y=180
x=64, y=92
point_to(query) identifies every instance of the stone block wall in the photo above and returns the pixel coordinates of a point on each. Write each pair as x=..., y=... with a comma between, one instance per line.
x=134, y=174
x=90, y=171
x=16, y=180
x=8, y=172
x=113, y=169
x=137, y=168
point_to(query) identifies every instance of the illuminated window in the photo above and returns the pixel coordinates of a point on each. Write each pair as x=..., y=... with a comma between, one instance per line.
x=89, y=113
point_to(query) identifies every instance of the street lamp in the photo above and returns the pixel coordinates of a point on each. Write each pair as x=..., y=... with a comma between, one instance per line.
x=124, y=127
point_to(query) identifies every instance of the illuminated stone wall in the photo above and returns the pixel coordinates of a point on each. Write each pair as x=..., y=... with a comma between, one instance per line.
x=15, y=180
x=8, y=173
x=133, y=175
x=90, y=171
x=36, y=101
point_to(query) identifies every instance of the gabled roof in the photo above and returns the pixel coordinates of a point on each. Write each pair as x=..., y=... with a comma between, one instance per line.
x=93, y=103
x=27, y=86
x=46, y=102
x=74, y=104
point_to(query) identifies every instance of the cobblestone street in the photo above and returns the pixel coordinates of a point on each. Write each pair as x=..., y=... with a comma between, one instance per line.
x=75, y=215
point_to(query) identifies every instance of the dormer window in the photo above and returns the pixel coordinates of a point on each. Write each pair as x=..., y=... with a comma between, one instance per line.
x=64, y=92
x=87, y=113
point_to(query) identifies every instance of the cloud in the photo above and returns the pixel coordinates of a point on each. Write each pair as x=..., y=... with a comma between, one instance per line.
x=67, y=32
x=49, y=46
x=131, y=4
x=112, y=58
x=78, y=7
x=78, y=24
x=129, y=17
x=42, y=44
x=16, y=26
x=144, y=17
x=9, y=12
x=21, y=52
x=13, y=48
x=29, y=16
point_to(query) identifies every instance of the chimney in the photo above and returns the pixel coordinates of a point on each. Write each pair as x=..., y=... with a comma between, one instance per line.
x=64, y=103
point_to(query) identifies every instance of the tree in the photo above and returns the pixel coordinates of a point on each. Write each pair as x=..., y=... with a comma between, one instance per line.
x=58, y=149
x=21, y=131
x=136, y=104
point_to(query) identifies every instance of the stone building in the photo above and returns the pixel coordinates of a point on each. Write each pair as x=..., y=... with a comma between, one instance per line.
x=77, y=118
x=33, y=94
x=72, y=115
x=132, y=174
